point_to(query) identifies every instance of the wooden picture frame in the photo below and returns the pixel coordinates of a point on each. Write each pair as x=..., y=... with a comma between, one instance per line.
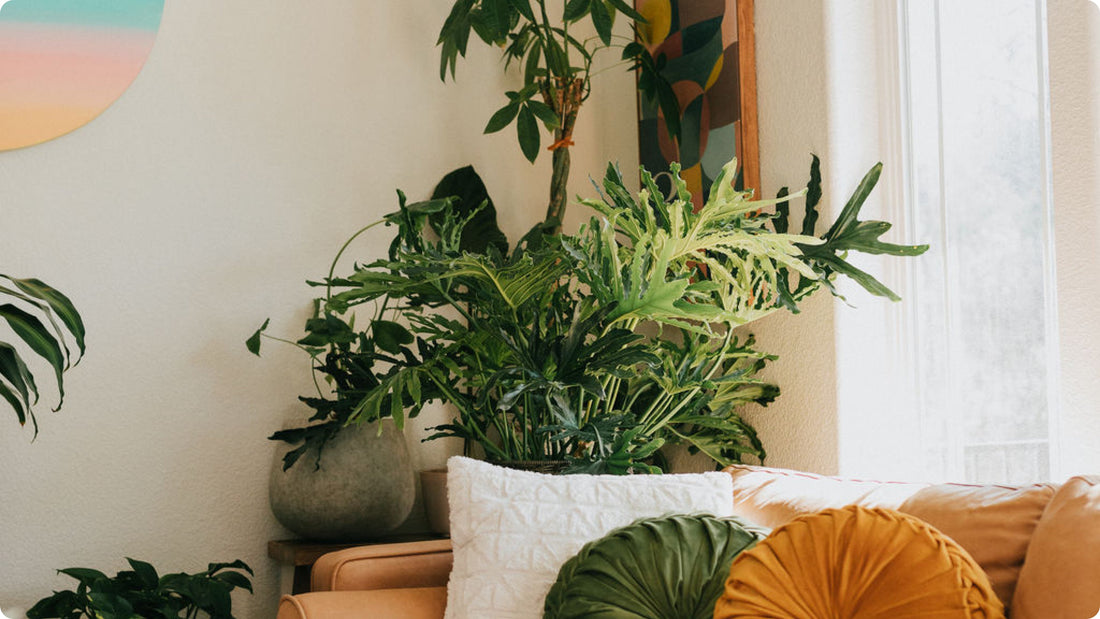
x=709, y=57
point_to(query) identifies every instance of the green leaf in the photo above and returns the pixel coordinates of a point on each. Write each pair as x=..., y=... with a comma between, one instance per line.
x=502, y=117
x=22, y=409
x=864, y=279
x=575, y=9
x=627, y=10
x=145, y=572
x=849, y=214
x=454, y=36
x=601, y=19
x=481, y=230
x=557, y=61
x=427, y=207
x=531, y=67
x=524, y=8
x=59, y=303
x=84, y=575
x=496, y=15
x=782, y=212
x=390, y=336
x=38, y=338
x=253, y=342
x=813, y=197
x=235, y=580
x=545, y=114
x=14, y=370
x=527, y=129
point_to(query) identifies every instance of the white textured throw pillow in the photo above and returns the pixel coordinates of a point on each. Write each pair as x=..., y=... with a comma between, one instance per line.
x=512, y=530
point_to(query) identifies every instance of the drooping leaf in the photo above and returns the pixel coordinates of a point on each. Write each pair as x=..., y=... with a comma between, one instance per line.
x=527, y=129
x=38, y=338
x=481, y=231
x=575, y=9
x=601, y=20
x=58, y=302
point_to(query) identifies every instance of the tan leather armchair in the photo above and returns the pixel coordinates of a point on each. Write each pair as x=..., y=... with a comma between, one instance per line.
x=395, y=580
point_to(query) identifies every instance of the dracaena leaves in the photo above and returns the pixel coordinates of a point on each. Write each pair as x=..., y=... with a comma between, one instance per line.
x=45, y=322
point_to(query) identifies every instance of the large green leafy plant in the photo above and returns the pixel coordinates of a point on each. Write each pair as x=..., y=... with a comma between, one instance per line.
x=557, y=61
x=601, y=347
x=141, y=593
x=352, y=365
x=46, y=324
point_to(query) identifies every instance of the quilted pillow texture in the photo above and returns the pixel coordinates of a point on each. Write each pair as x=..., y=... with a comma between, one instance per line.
x=512, y=530
x=857, y=563
x=668, y=567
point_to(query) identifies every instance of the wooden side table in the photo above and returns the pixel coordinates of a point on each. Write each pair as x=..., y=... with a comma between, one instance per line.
x=296, y=557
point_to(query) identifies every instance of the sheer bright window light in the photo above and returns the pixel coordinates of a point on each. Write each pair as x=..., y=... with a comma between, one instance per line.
x=982, y=349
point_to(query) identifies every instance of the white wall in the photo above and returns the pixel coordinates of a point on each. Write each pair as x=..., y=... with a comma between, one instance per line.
x=1074, y=39
x=256, y=139
x=799, y=430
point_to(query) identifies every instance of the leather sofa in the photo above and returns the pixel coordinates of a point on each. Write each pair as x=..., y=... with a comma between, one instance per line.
x=1039, y=544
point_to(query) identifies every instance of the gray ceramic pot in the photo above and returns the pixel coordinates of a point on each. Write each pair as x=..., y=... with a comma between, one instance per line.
x=364, y=488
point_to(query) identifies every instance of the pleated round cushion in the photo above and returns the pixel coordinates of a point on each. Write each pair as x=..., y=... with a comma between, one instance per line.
x=658, y=568
x=857, y=563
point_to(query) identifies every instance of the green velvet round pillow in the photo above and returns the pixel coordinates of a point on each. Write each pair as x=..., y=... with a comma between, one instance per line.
x=672, y=567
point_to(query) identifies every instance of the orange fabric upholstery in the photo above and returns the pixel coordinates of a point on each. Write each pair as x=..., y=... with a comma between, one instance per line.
x=993, y=523
x=857, y=563
x=1061, y=576
x=413, y=564
x=773, y=497
x=416, y=603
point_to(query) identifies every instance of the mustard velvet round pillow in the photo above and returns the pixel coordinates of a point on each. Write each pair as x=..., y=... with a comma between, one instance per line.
x=857, y=563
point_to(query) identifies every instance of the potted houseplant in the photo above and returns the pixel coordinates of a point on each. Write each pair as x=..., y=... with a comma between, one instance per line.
x=46, y=325
x=364, y=486
x=543, y=348
x=350, y=361
x=141, y=592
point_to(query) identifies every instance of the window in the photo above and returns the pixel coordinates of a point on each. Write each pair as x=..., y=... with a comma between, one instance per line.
x=980, y=313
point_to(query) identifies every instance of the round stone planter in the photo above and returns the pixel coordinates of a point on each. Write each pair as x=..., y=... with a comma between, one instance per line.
x=363, y=489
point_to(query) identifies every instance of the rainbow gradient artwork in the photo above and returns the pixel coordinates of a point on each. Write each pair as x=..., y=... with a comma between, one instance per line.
x=63, y=62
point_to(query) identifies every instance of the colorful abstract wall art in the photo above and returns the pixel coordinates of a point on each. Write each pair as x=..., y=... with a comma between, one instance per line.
x=63, y=62
x=707, y=51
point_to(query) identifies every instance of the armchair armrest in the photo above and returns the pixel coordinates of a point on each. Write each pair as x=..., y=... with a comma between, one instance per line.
x=384, y=566
x=407, y=603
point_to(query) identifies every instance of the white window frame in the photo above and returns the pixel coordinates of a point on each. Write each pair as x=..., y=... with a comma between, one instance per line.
x=898, y=189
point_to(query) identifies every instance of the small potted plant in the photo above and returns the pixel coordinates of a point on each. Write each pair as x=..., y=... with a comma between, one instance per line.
x=352, y=360
x=141, y=593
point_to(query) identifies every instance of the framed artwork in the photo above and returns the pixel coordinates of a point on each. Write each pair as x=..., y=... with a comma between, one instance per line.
x=63, y=62
x=706, y=50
